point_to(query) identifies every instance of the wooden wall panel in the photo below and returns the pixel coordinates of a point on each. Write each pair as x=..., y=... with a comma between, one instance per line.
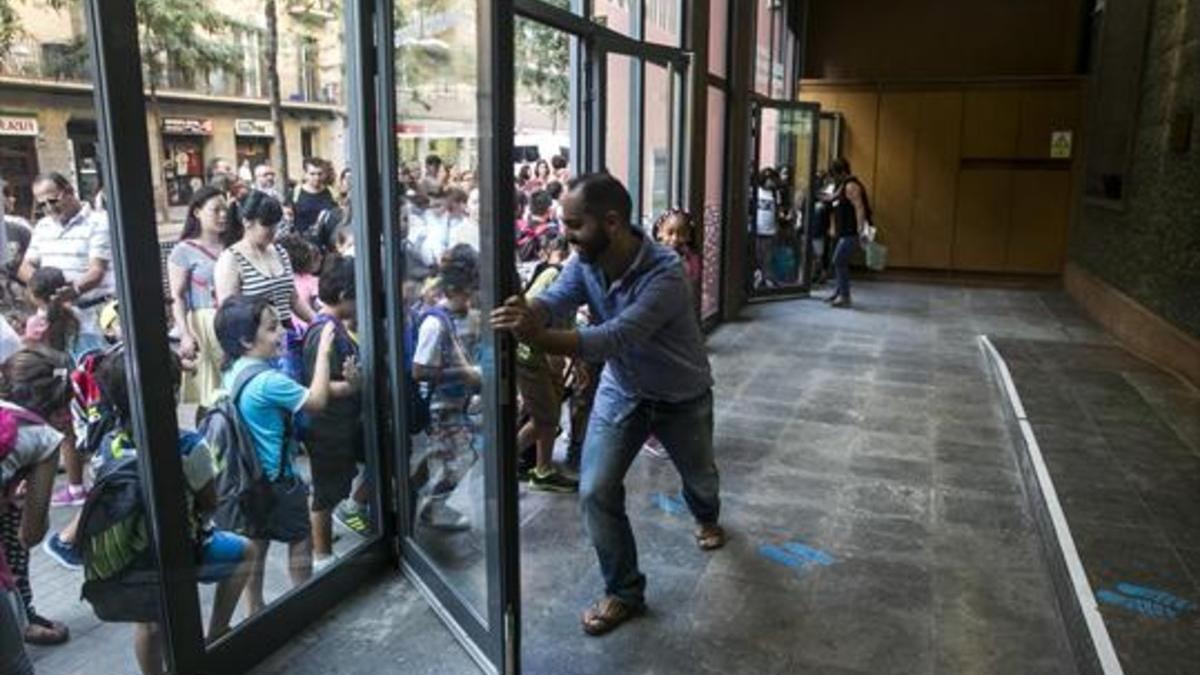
x=860, y=111
x=982, y=218
x=1042, y=112
x=991, y=123
x=961, y=214
x=939, y=128
x=1040, y=206
x=894, y=173
x=885, y=39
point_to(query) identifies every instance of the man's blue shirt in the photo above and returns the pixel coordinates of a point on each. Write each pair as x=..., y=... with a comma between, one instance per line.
x=644, y=328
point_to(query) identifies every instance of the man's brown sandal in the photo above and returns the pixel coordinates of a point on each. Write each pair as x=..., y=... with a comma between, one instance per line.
x=608, y=613
x=710, y=537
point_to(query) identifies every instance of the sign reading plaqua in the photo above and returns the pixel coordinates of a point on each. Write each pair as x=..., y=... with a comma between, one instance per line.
x=261, y=128
x=187, y=126
x=18, y=125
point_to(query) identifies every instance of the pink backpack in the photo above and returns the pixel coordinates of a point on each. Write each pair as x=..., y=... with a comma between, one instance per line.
x=11, y=420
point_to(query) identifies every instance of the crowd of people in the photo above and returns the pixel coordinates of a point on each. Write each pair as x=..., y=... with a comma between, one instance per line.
x=263, y=319
x=263, y=323
x=841, y=213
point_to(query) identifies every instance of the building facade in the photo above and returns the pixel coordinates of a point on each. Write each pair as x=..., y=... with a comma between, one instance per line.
x=46, y=106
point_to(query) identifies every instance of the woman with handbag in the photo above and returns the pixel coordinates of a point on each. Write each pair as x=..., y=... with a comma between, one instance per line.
x=851, y=214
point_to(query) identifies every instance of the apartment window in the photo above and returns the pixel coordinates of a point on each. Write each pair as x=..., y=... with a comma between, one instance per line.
x=309, y=86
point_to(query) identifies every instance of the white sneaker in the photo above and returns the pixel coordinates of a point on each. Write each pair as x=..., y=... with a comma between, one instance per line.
x=320, y=563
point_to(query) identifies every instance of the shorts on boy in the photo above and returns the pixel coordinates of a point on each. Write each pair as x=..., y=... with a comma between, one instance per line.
x=335, y=463
x=220, y=556
x=541, y=387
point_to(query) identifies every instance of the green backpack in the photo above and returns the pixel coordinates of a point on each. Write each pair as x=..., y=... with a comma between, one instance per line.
x=121, y=580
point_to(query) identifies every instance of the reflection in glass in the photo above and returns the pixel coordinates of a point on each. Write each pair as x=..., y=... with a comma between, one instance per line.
x=214, y=166
x=617, y=15
x=718, y=36
x=658, y=109
x=714, y=198
x=437, y=140
x=664, y=22
x=780, y=187
x=620, y=147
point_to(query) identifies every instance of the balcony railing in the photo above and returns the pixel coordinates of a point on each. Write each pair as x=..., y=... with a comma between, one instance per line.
x=51, y=61
x=68, y=62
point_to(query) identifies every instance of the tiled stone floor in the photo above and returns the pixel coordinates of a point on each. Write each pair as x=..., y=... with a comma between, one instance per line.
x=1122, y=442
x=869, y=441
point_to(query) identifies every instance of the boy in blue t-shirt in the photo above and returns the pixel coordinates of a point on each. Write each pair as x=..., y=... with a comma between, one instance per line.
x=250, y=334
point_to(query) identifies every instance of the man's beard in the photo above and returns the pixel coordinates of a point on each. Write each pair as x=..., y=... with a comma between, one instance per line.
x=589, y=252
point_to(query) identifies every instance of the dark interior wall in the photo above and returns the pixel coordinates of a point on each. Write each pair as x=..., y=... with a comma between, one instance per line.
x=917, y=39
x=1149, y=245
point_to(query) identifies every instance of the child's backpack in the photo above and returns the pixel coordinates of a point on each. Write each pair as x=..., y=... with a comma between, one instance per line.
x=120, y=578
x=344, y=347
x=11, y=420
x=419, y=396
x=94, y=417
x=242, y=488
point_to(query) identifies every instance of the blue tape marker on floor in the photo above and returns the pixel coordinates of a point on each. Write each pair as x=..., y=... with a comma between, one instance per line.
x=1136, y=605
x=809, y=553
x=1156, y=596
x=672, y=504
x=776, y=554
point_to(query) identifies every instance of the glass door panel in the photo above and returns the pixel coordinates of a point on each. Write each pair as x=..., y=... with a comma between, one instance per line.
x=657, y=147
x=444, y=341
x=448, y=387
x=622, y=113
x=784, y=143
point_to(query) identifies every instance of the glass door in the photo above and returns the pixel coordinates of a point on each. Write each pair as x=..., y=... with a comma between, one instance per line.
x=829, y=140
x=449, y=262
x=784, y=147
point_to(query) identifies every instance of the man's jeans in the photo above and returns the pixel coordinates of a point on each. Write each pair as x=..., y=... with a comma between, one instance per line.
x=686, y=431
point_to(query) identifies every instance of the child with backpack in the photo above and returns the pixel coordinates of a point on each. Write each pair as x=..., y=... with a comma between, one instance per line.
x=33, y=389
x=122, y=580
x=262, y=495
x=448, y=379
x=58, y=325
x=334, y=437
x=540, y=382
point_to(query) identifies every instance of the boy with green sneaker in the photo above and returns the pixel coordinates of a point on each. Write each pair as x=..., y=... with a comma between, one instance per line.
x=540, y=382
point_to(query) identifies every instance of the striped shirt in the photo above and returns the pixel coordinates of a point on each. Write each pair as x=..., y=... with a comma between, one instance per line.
x=277, y=289
x=72, y=247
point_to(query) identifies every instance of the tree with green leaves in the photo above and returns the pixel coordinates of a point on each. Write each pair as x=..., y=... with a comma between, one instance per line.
x=10, y=28
x=183, y=36
x=542, y=63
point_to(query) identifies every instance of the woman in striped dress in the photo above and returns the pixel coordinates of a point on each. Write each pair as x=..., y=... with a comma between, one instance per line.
x=256, y=265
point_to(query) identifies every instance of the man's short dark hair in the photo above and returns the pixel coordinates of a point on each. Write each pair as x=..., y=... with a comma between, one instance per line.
x=558, y=162
x=840, y=166
x=602, y=193
x=433, y=160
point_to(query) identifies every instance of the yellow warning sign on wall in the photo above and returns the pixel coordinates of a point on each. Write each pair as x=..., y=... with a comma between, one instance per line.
x=1060, y=144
